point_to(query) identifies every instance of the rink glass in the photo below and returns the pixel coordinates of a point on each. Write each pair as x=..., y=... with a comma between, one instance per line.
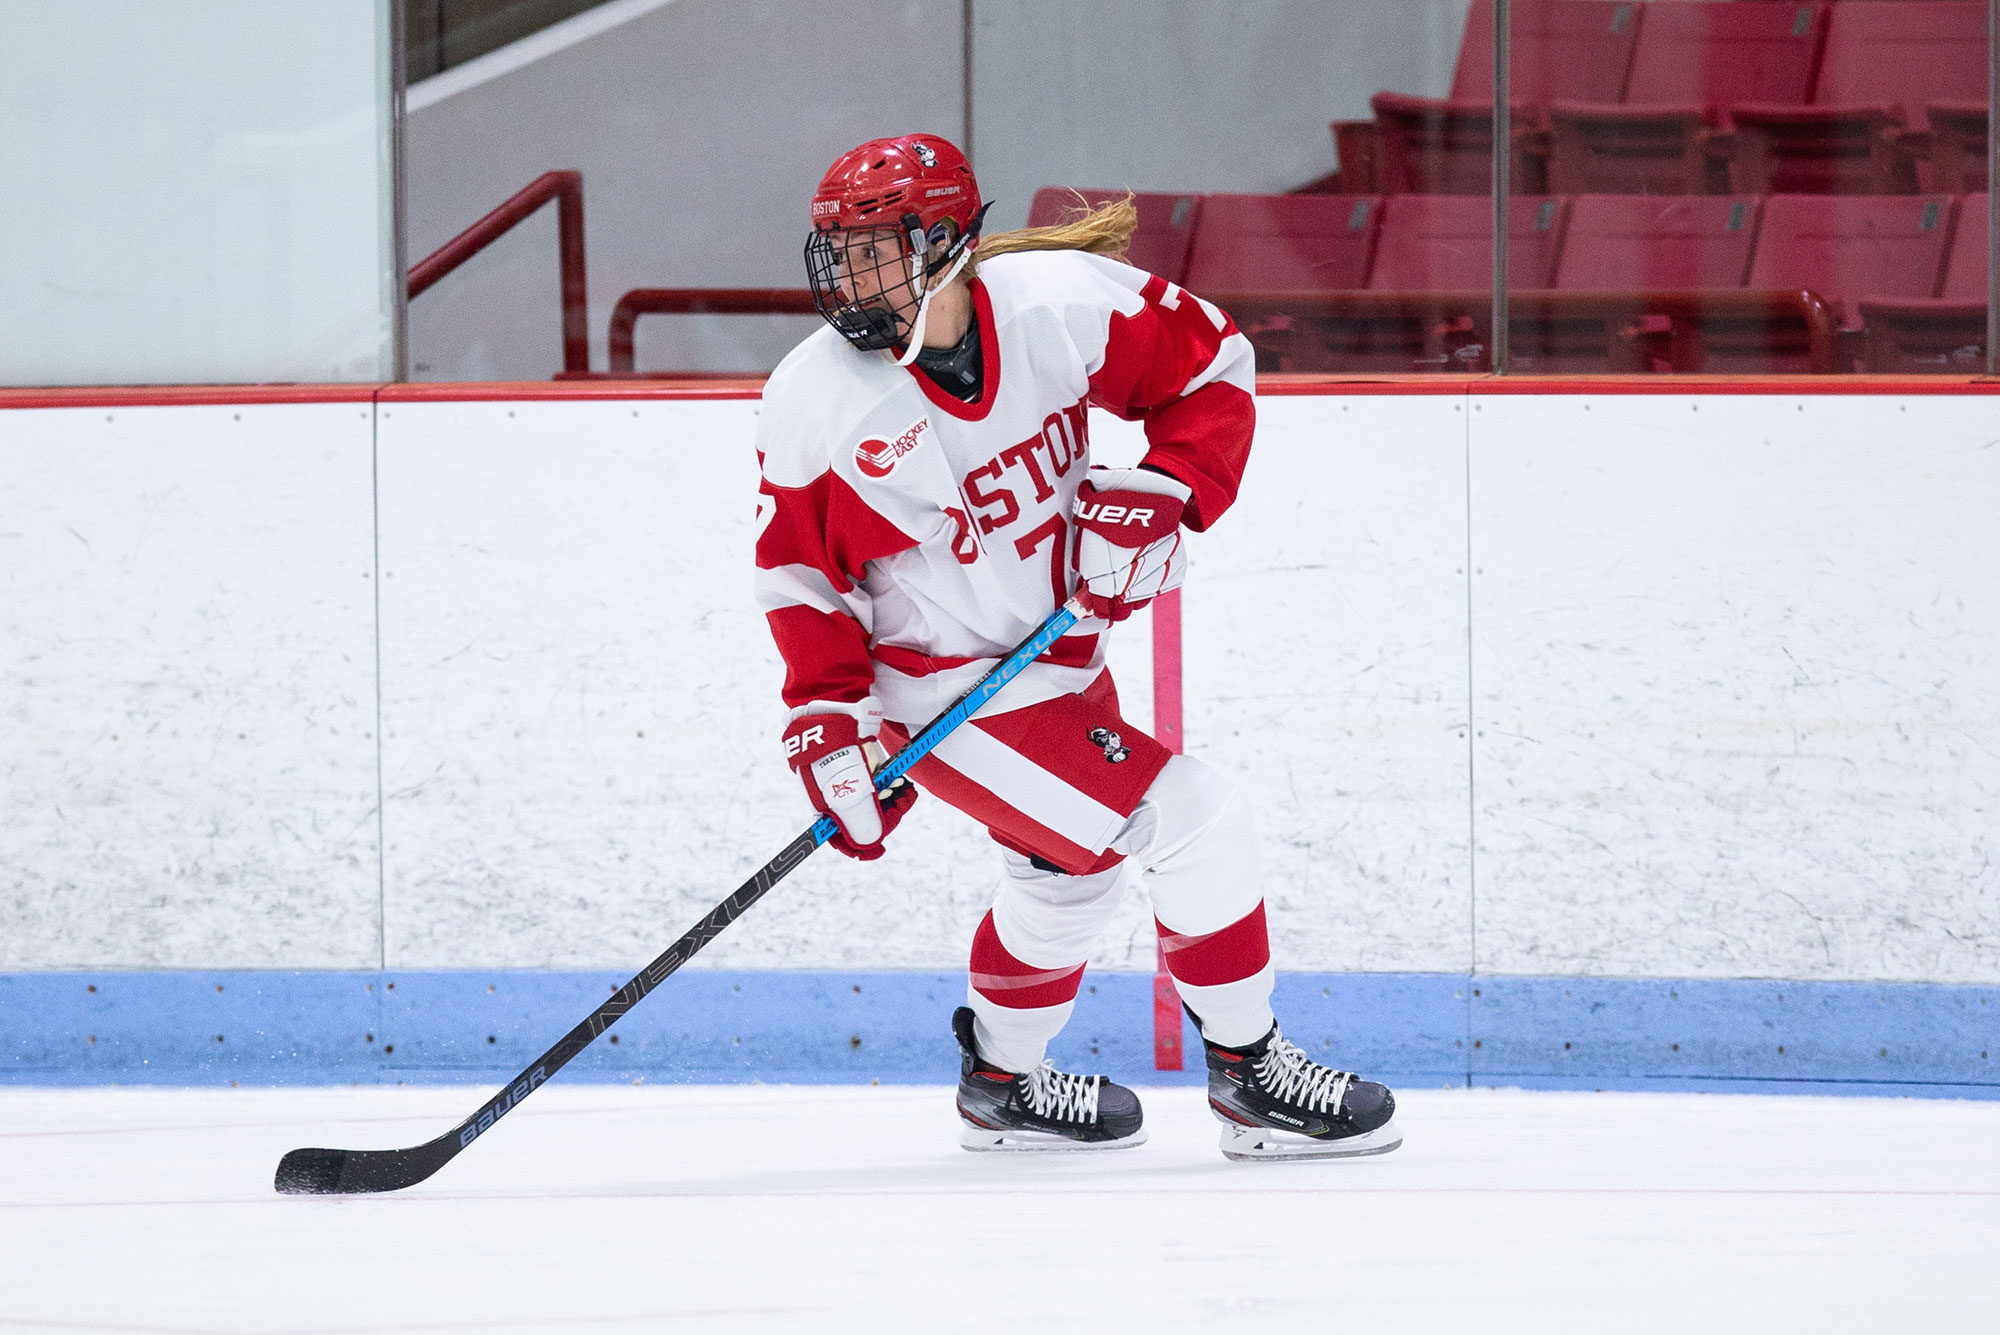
x=199, y=191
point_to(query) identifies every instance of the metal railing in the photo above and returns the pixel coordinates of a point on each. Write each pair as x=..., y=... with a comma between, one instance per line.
x=696, y=301
x=566, y=188
x=1446, y=331
x=1457, y=330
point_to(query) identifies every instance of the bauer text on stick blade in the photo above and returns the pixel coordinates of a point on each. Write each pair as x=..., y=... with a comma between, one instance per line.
x=345, y=1172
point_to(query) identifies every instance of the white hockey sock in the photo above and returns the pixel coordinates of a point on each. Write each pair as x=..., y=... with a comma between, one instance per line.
x=1233, y=1014
x=1015, y=1038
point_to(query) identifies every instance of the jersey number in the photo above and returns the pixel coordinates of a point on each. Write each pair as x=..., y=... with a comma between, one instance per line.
x=963, y=544
x=1052, y=531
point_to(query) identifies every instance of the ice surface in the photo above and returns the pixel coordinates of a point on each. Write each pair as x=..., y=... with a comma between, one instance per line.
x=749, y=1208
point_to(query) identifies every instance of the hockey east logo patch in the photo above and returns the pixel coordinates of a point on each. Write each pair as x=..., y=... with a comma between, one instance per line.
x=878, y=458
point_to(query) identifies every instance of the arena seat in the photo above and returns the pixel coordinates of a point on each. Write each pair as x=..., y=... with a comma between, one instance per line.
x=1578, y=50
x=1446, y=241
x=1884, y=61
x=1692, y=62
x=1626, y=242
x=1842, y=247
x=1958, y=146
x=1942, y=334
x=1575, y=50
x=1167, y=223
x=1430, y=288
x=1681, y=256
x=1283, y=243
x=1431, y=146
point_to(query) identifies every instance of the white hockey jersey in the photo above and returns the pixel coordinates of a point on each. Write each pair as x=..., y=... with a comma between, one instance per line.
x=906, y=538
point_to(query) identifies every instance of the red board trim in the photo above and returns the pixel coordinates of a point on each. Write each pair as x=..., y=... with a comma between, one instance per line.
x=751, y=387
x=576, y=391
x=1279, y=386
x=179, y=396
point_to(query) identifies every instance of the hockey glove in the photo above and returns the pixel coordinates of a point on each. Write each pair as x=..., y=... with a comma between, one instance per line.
x=832, y=748
x=1128, y=550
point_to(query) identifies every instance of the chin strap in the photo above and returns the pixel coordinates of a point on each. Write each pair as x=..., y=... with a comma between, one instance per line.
x=924, y=309
x=920, y=243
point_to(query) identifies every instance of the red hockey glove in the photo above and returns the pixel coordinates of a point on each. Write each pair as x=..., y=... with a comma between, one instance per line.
x=1128, y=551
x=835, y=754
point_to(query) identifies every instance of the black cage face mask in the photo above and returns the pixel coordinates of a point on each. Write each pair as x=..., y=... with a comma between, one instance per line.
x=860, y=280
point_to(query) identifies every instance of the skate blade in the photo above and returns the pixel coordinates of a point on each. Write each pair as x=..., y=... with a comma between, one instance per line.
x=1266, y=1144
x=981, y=1140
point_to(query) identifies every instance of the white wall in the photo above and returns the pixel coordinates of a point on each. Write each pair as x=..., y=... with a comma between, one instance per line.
x=701, y=127
x=1738, y=669
x=187, y=687
x=1731, y=683
x=1324, y=640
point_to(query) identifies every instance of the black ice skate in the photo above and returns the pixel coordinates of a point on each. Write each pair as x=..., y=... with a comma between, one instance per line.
x=1277, y=1103
x=1042, y=1110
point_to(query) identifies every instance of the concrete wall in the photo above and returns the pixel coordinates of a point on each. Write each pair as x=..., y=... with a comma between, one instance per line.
x=1664, y=686
x=702, y=125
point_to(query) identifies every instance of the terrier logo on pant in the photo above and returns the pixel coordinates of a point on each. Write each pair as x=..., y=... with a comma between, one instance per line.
x=1114, y=746
x=878, y=458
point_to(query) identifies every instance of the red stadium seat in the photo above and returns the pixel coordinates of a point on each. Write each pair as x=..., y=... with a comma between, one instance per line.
x=1958, y=146
x=1628, y=242
x=1166, y=224
x=1645, y=244
x=1567, y=50
x=1425, y=145
x=1842, y=247
x=1694, y=60
x=1845, y=247
x=1884, y=61
x=1945, y=334
x=1431, y=278
x=1439, y=244
x=1283, y=243
x=1965, y=271
x=1579, y=50
x=1290, y=244
x=1446, y=241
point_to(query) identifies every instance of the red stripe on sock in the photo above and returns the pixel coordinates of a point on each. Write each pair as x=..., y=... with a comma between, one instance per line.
x=1213, y=958
x=1006, y=981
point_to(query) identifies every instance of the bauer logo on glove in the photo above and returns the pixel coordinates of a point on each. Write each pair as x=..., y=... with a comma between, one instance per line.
x=1128, y=549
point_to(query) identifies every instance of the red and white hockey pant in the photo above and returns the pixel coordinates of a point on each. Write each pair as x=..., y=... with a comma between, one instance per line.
x=1043, y=781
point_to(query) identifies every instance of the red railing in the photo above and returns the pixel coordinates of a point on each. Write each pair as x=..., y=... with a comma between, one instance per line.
x=696, y=301
x=1617, y=331
x=1391, y=331
x=566, y=188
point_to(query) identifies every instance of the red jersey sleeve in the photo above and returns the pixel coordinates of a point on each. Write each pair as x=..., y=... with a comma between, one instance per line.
x=1178, y=364
x=812, y=541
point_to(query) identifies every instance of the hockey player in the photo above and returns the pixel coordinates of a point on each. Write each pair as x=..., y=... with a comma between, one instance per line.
x=928, y=500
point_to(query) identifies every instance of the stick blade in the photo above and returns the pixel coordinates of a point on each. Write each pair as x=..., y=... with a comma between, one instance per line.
x=358, y=1172
x=311, y=1172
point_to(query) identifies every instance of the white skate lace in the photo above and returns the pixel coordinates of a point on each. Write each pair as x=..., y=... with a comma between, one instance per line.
x=1065, y=1098
x=1287, y=1073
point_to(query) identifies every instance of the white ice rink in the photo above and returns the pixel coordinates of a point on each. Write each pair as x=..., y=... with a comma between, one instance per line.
x=615, y=1209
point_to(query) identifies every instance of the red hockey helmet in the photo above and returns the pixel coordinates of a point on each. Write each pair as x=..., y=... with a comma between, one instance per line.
x=917, y=188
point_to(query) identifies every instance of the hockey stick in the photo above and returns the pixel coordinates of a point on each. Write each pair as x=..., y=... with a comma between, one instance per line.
x=344, y=1172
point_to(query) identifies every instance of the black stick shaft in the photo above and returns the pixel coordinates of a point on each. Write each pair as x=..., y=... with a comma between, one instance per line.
x=322, y=1171
x=643, y=982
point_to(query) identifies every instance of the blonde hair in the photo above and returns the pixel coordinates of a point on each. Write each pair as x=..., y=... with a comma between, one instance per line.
x=1105, y=229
